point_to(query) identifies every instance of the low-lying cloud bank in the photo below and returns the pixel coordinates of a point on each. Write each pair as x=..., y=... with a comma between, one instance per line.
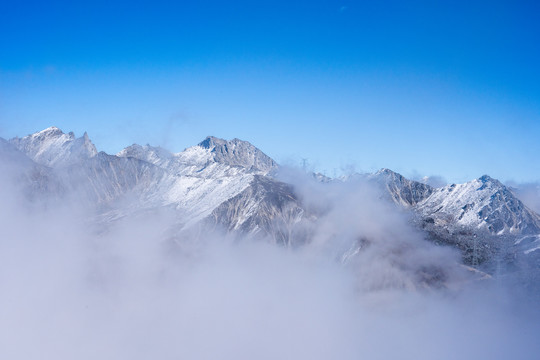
x=69, y=291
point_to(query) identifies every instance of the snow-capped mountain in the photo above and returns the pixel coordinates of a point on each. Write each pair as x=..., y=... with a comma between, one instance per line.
x=154, y=155
x=483, y=204
x=214, y=152
x=266, y=206
x=194, y=182
x=231, y=185
x=482, y=214
x=403, y=191
x=202, y=177
x=51, y=147
x=238, y=153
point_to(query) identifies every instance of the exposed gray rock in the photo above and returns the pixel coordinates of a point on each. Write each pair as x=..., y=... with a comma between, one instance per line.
x=227, y=184
x=238, y=153
x=403, y=191
x=267, y=208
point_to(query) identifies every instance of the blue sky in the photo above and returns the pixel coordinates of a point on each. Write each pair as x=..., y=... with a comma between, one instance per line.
x=419, y=87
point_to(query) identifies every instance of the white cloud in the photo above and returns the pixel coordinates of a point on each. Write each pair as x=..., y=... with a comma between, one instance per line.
x=128, y=293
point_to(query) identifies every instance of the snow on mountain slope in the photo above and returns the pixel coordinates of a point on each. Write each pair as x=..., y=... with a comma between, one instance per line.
x=238, y=153
x=193, y=160
x=480, y=204
x=202, y=177
x=198, y=196
x=403, y=191
x=192, y=182
x=266, y=207
x=107, y=178
x=34, y=180
x=51, y=147
x=483, y=218
x=228, y=184
x=140, y=186
x=154, y=155
x=529, y=244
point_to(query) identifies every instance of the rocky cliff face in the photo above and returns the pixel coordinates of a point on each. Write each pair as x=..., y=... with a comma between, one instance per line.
x=229, y=185
x=238, y=153
x=194, y=182
x=483, y=204
x=402, y=191
x=483, y=218
x=266, y=207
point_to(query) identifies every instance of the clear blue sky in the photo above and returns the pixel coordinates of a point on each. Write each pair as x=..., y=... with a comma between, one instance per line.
x=419, y=87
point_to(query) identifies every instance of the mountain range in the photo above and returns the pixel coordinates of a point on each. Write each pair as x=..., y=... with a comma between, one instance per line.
x=233, y=186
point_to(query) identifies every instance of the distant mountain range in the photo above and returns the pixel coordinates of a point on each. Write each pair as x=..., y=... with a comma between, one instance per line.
x=234, y=186
x=482, y=217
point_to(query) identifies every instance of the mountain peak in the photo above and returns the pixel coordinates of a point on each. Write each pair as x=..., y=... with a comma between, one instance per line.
x=487, y=182
x=388, y=172
x=485, y=178
x=483, y=204
x=488, y=179
x=238, y=152
x=52, y=147
x=211, y=141
x=402, y=190
x=152, y=154
x=51, y=130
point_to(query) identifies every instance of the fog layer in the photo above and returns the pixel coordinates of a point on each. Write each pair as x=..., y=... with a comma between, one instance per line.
x=71, y=291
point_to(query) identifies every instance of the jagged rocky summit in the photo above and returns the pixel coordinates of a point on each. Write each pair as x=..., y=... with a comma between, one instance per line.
x=51, y=147
x=482, y=217
x=232, y=185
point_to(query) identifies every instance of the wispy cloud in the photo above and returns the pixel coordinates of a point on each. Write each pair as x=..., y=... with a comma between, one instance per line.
x=129, y=292
x=529, y=193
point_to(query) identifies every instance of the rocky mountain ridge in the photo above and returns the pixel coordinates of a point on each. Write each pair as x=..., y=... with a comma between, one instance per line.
x=194, y=182
x=232, y=185
x=51, y=147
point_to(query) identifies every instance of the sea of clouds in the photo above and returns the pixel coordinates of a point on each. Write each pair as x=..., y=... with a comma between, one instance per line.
x=72, y=290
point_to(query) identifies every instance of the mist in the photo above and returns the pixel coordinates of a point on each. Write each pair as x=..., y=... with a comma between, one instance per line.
x=365, y=286
x=529, y=193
